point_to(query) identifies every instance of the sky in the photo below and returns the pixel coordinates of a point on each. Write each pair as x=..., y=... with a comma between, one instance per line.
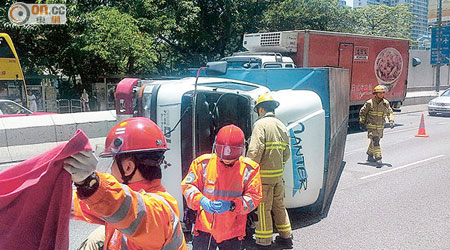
x=349, y=3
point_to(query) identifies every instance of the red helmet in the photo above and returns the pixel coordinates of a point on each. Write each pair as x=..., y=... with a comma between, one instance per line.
x=229, y=143
x=138, y=134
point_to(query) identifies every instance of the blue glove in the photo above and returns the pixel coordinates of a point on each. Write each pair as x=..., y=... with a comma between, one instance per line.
x=207, y=205
x=221, y=206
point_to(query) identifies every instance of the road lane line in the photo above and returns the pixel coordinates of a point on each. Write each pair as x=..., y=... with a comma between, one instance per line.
x=398, y=131
x=443, y=123
x=404, y=166
x=354, y=151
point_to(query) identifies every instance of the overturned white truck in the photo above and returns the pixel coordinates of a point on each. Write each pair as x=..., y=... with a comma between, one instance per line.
x=190, y=111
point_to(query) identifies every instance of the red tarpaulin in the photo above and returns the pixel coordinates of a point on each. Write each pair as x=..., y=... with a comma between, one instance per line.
x=35, y=199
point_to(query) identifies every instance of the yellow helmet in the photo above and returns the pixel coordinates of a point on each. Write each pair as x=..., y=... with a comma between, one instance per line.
x=380, y=89
x=266, y=98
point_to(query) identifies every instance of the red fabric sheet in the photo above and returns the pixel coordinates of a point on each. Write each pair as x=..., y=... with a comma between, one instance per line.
x=35, y=199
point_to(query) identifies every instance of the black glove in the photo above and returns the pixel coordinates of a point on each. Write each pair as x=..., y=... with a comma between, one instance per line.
x=362, y=126
x=392, y=124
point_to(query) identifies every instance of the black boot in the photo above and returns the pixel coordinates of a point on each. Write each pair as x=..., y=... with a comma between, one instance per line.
x=284, y=243
x=370, y=158
x=379, y=163
x=261, y=247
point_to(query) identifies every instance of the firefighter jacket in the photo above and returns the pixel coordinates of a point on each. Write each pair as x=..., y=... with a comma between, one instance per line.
x=141, y=215
x=373, y=115
x=240, y=183
x=269, y=146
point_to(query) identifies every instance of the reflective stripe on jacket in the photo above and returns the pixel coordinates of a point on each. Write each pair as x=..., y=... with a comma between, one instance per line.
x=241, y=183
x=374, y=114
x=269, y=146
x=138, y=216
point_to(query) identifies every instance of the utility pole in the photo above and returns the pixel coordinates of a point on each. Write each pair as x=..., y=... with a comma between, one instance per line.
x=438, y=38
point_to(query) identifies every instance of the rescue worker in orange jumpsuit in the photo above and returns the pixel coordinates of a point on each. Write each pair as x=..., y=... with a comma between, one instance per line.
x=135, y=208
x=269, y=146
x=372, y=117
x=223, y=188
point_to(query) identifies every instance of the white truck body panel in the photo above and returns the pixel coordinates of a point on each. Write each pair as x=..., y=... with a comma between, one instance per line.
x=297, y=109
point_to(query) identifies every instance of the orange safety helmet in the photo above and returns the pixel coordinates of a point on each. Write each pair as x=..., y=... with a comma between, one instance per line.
x=230, y=143
x=137, y=134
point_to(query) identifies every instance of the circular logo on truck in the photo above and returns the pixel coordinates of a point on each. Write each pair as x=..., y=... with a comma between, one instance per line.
x=388, y=67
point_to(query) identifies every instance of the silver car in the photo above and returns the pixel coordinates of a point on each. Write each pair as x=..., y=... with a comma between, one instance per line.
x=440, y=104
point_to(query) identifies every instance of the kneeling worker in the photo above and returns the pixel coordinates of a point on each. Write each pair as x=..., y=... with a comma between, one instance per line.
x=223, y=188
x=135, y=208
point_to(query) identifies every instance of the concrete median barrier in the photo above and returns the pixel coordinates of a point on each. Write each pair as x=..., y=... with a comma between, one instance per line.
x=24, y=137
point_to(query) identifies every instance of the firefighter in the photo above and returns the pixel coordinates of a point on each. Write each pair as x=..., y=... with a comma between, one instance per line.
x=223, y=187
x=269, y=146
x=372, y=117
x=131, y=202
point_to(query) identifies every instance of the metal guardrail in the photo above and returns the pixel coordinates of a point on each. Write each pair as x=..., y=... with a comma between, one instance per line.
x=75, y=105
x=63, y=106
x=68, y=106
x=50, y=106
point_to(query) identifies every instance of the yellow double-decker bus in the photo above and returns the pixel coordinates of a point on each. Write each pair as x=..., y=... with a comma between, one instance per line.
x=12, y=81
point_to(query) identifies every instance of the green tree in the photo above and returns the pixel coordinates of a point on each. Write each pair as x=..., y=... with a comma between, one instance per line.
x=115, y=39
x=214, y=30
x=307, y=14
x=383, y=20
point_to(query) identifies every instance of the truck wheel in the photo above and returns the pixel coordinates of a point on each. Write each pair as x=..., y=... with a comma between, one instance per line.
x=431, y=113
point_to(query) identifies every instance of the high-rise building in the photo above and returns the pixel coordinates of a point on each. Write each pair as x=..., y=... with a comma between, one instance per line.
x=419, y=8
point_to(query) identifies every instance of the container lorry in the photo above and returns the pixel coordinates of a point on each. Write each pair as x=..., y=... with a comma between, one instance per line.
x=371, y=60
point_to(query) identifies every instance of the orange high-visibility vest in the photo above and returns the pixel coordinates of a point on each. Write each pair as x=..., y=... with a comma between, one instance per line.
x=141, y=215
x=241, y=183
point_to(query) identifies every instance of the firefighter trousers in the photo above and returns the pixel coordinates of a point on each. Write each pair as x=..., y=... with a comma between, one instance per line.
x=374, y=149
x=272, y=202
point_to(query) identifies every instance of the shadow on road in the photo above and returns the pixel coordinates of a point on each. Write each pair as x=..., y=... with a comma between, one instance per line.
x=298, y=218
x=374, y=164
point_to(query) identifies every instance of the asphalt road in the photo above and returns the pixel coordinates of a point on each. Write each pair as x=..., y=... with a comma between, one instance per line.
x=403, y=205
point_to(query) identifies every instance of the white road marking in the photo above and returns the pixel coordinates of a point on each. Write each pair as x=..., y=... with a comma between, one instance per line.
x=401, y=167
x=354, y=151
x=401, y=130
x=443, y=123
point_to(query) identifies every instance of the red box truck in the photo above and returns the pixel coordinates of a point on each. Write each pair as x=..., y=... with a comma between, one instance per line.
x=371, y=60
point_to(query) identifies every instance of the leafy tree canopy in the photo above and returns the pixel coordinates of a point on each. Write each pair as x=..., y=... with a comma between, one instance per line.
x=163, y=37
x=383, y=20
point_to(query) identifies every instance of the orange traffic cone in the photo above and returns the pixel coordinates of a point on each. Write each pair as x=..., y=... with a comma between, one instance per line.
x=422, y=132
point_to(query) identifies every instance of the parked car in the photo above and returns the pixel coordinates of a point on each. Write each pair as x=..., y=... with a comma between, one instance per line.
x=12, y=109
x=440, y=105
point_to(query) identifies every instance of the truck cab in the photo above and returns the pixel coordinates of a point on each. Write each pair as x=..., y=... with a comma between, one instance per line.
x=257, y=60
x=190, y=111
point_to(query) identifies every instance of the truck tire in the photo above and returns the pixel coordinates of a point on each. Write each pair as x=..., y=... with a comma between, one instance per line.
x=431, y=113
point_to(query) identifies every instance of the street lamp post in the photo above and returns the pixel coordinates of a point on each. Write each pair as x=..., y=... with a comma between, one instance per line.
x=438, y=45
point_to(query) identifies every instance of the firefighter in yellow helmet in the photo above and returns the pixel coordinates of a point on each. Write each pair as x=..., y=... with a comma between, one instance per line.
x=372, y=117
x=269, y=146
